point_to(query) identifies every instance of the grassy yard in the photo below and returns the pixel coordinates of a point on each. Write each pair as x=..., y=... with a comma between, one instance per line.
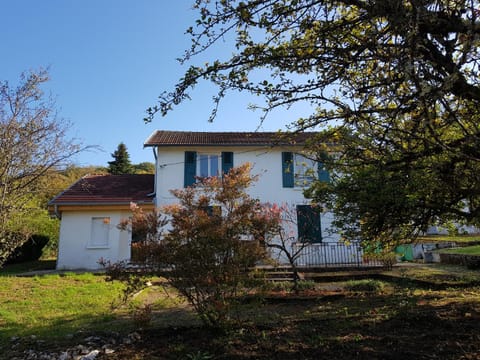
x=55, y=305
x=468, y=250
x=416, y=311
x=461, y=239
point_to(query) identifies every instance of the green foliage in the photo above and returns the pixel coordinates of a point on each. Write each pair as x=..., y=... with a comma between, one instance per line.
x=144, y=168
x=366, y=285
x=395, y=89
x=121, y=163
x=289, y=286
x=30, y=250
x=32, y=143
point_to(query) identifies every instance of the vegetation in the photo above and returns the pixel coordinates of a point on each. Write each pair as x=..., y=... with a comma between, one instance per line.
x=468, y=250
x=33, y=142
x=54, y=305
x=214, y=236
x=420, y=312
x=121, y=161
x=393, y=87
x=464, y=239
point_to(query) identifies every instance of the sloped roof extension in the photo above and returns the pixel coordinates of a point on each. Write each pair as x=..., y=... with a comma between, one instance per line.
x=108, y=189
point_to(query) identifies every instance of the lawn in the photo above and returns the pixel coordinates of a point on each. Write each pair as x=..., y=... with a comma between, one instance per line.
x=414, y=312
x=468, y=250
x=460, y=239
x=55, y=305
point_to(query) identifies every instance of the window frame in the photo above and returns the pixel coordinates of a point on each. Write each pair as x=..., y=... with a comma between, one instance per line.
x=309, y=213
x=209, y=157
x=102, y=232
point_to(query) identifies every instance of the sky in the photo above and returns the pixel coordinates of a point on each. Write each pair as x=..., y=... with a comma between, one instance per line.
x=109, y=60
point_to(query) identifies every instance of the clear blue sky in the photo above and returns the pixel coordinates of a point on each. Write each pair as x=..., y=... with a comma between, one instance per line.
x=109, y=60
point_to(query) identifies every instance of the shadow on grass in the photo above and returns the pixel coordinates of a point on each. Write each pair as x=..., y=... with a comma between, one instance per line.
x=420, y=332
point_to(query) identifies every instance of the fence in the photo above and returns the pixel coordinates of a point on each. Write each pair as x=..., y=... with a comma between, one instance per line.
x=333, y=255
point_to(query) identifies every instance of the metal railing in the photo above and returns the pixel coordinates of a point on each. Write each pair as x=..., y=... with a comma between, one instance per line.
x=333, y=255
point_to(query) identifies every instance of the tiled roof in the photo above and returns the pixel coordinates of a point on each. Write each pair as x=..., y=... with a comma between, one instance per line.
x=179, y=138
x=108, y=189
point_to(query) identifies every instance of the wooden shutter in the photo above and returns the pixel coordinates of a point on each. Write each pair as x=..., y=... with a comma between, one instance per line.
x=288, y=176
x=308, y=223
x=227, y=161
x=323, y=174
x=190, y=168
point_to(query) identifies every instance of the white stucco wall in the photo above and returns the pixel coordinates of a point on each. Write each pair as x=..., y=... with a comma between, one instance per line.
x=74, y=251
x=266, y=162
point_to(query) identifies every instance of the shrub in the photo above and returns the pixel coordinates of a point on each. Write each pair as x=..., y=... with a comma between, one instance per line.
x=367, y=285
x=31, y=250
x=213, y=237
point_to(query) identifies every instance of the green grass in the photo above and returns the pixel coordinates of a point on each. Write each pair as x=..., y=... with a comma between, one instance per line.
x=54, y=305
x=455, y=238
x=468, y=250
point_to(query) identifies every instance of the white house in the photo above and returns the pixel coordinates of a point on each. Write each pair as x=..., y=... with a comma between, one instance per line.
x=89, y=218
x=284, y=171
x=90, y=211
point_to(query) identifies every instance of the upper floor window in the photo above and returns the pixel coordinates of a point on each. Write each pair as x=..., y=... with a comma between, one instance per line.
x=204, y=165
x=305, y=170
x=299, y=170
x=209, y=165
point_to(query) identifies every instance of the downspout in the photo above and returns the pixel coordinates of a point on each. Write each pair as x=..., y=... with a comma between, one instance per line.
x=155, y=176
x=56, y=212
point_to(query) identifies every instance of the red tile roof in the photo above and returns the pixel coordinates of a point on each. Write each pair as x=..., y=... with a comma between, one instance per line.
x=179, y=138
x=108, y=189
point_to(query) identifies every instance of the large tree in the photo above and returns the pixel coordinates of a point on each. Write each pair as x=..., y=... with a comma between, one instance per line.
x=121, y=161
x=32, y=142
x=395, y=84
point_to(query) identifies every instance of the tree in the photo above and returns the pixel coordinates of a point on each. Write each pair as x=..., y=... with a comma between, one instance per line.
x=121, y=163
x=395, y=85
x=205, y=244
x=144, y=168
x=32, y=142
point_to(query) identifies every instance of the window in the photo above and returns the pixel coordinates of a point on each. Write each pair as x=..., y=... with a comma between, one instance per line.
x=209, y=165
x=308, y=224
x=213, y=210
x=100, y=232
x=304, y=170
x=205, y=165
x=300, y=171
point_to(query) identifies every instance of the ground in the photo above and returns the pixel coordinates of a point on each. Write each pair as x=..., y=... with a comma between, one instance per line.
x=412, y=312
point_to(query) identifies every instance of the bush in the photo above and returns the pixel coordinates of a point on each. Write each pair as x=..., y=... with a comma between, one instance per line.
x=204, y=245
x=31, y=250
x=367, y=285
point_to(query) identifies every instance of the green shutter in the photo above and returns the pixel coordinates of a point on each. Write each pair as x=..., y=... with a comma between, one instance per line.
x=227, y=161
x=308, y=224
x=323, y=174
x=190, y=168
x=288, y=176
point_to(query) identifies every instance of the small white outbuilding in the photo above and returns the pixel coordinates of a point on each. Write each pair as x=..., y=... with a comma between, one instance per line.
x=90, y=211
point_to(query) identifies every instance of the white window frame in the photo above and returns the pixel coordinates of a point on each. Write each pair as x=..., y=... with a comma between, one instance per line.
x=209, y=157
x=99, y=233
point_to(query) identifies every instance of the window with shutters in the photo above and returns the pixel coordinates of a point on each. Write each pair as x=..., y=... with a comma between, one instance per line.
x=308, y=224
x=299, y=170
x=205, y=165
x=304, y=170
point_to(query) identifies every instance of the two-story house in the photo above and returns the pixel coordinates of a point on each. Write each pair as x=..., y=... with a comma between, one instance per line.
x=181, y=157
